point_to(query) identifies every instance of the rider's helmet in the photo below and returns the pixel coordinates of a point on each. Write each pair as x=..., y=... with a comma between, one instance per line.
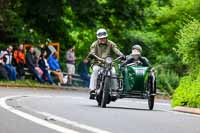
x=101, y=33
x=138, y=47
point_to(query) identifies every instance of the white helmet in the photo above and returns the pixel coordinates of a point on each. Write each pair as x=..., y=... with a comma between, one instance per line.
x=101, y=33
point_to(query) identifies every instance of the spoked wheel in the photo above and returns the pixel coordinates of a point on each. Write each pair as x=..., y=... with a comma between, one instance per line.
x=105, y=92
x=151, y=91
x=99, y=90
x=99, y=98
x=151, y=102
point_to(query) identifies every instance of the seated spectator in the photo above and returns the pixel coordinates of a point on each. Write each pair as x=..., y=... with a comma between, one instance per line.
x=55, y=66
x=32, y=65
x=43, y=64
x=83, y=70
x=19, y=57
x=7, y=57
x=3, y=71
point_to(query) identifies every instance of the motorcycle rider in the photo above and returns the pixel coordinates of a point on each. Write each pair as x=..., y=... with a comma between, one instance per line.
x=99, y=50
x=135, y=57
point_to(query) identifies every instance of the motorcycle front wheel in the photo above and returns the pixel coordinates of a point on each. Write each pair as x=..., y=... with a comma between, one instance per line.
x=106, y=90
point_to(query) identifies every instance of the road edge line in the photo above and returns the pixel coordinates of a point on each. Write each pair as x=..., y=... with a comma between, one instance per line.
x=33, y=118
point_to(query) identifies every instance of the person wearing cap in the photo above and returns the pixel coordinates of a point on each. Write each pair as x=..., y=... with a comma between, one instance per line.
x=136, y=57
x=7, y=56
x=99, y=50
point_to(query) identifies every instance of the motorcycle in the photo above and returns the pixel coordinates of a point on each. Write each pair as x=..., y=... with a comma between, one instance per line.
x=133, y=81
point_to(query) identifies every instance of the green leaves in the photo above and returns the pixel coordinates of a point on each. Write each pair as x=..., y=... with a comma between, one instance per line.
x=188, y=93
x=188, y=46
x=168, y=30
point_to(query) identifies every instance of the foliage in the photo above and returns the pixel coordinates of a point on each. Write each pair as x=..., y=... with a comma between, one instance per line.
x=164, y=28
x=188, y=92
x=167, y=81
x=188, y=46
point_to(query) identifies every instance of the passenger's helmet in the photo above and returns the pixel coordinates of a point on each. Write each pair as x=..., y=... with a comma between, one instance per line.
x=138, y=47
x=101, y=33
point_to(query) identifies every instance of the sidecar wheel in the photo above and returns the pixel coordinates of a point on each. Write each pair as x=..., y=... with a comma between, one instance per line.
x=151, y=91
x=151, y=102
x=105, y=95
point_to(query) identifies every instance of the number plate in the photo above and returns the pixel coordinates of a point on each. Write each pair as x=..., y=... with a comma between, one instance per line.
x=139, y=72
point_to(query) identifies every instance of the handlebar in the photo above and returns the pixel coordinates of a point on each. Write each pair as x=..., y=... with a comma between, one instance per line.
x=103, y=60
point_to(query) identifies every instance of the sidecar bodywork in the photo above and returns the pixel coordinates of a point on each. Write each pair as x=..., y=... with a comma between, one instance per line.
x=135, y=79
x=138, y=82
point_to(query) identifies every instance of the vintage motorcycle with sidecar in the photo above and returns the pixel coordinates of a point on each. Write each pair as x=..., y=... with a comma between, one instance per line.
x=133, y=81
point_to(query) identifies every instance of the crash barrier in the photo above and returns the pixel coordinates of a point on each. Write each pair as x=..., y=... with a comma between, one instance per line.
x=76, y=79
x=28, y=74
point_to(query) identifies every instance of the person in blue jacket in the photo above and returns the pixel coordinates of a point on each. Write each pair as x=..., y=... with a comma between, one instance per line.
x=55, y=66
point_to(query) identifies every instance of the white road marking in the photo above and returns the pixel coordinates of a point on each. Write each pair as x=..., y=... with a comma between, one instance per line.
x=66, y=121
x=45, y=123
x=73, y=123
x=33, y=118
x=74, y=98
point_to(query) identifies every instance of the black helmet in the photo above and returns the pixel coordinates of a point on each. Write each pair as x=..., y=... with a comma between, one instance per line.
x=138, y=47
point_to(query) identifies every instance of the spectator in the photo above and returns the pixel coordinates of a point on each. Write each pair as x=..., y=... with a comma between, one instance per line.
x=32, y=65
x=3, y=72
x=70, y=58
x=55, y=66
x=20, y=61
x=7, y=56
x=83, y=70
x=43, y=64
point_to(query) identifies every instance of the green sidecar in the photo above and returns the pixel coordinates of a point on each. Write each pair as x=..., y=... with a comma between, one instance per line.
x=137, y=82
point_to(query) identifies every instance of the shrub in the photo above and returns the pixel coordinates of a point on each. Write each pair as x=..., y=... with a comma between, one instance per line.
x=167, y=81
x=188, y=43
x=188, y=92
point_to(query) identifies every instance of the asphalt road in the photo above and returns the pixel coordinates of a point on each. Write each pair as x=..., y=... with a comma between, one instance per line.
x=55, y=111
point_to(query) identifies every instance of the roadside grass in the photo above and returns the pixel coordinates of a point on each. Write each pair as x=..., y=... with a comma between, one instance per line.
x=25, y=83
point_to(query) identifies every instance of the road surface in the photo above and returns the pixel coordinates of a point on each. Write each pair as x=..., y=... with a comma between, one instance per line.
x=55, y=111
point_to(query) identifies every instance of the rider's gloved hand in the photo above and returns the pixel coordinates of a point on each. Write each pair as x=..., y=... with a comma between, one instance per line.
x=102, y=60
x=123, y=57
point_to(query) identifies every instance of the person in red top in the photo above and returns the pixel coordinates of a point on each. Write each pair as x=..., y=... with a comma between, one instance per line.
x=19, y=57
